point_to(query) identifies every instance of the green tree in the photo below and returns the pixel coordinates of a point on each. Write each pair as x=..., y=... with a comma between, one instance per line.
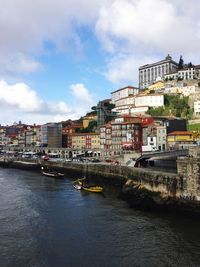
x=180, y=63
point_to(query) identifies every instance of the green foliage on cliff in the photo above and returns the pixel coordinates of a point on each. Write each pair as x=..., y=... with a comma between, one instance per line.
x=194, y=127
x=174, y=106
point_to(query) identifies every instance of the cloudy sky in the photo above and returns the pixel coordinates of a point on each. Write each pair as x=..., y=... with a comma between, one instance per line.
x=60, y=57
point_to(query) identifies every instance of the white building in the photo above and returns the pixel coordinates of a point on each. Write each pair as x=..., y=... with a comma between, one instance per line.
x=123, y=105
x=184, y=74
x=123, y=93
x=151, y=144
x=151, y=100
x=161, y=135
x=150, y=72
x=197, y=108
x=184, y=90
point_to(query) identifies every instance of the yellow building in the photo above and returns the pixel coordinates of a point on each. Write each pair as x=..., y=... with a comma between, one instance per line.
x=159, y=85
x=179, y=139
x=85, y=140
x=88, y=118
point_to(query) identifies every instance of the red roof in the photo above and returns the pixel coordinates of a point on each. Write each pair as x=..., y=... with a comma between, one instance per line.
x=180, y=133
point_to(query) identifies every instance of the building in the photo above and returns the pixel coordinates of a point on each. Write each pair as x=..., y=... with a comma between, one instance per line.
x=88, y=118
x=124, y=105
x=197, y=108
x=179, y=139
x=30, y=136
x=186, y=73
x=134, y=104
x=154, y=137
x=151, y=144
x=105, y=136
x=150, y=100
x=51, y=134
x=127, y=132
x=85, y=141
x=157, y=86
x=171, y=124
x=184, y=90
x=150, y=72
x=123, y=93
x=67, y=131
x=161, y=135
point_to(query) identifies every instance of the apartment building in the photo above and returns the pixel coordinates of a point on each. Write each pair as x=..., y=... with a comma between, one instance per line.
x=84, y=141
x=51, y=134
x=150, y=100
x=197, y=108
x=184, y=90
x=124, y=93
x=179, y=139
x=105, y=136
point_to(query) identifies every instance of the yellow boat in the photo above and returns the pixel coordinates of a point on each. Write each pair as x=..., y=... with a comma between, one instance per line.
x=80, y=184
x=95, y=189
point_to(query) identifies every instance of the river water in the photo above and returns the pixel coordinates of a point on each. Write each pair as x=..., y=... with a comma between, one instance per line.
x=46, y=222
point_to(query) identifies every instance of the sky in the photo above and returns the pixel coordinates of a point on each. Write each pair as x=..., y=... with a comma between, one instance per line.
x=58, y=58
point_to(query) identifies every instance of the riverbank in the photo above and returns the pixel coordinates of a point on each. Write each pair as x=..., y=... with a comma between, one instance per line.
x=140, y=187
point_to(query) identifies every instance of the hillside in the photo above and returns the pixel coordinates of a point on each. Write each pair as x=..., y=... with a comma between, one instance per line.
x=174, y=105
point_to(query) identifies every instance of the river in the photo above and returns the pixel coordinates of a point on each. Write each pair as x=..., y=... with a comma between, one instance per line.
x=46, y=222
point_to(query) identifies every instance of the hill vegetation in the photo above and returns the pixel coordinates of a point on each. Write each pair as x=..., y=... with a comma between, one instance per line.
x=174, y=106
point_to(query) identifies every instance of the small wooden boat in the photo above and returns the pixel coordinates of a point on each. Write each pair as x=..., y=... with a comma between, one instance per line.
x=52, y=173
x=94, y=189
x=80, y=184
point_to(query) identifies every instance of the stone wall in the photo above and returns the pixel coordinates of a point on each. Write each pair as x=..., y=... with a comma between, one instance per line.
x=185, y=184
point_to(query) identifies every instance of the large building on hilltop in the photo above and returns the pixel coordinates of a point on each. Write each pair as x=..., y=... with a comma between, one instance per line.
x=150, y=72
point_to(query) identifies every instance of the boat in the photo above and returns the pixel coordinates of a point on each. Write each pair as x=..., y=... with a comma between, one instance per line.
x=77, y=186
x=52, y=173
x=94, y=189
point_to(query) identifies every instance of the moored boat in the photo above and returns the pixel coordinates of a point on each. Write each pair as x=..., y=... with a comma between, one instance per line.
x=52, y=173
x=80, y=184
x=94, y=189
x=77, y=186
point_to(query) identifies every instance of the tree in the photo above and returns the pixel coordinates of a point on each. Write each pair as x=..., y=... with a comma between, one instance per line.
x=94, y=108
x=190, y=65
x=181, y=62
x=179, y=79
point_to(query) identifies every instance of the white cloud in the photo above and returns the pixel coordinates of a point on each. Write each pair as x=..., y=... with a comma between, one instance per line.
x=142, y=28
x=20, y=102
x=152, y=24
x=132, y=30
x=82, y=99
x=26, y=26
x=19, y=96
x=81, y=94
x=123, y=68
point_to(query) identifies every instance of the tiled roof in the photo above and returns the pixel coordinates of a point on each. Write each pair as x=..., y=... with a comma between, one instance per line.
x=180, y=133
